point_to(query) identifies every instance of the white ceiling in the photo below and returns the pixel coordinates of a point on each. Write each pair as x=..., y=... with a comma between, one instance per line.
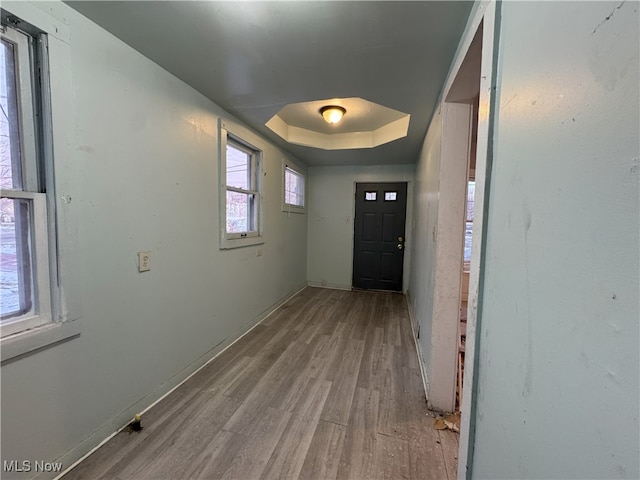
x=253, y=58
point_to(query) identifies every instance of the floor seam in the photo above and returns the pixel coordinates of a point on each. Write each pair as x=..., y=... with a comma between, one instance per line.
x=335, y=423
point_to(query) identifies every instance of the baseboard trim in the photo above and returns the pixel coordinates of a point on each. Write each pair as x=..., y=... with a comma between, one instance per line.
x=423, y=374
x=330, y=286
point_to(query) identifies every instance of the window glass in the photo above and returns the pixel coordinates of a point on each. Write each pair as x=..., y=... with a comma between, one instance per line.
x=471, y=191
x=15, y=233
x=370, y=196
x=293, y=188
x=238, y=167
x=10, y=161
x=390, y=196
x=239, y=212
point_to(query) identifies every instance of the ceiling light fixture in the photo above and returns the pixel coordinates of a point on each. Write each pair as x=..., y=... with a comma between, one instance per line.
x=332, y=113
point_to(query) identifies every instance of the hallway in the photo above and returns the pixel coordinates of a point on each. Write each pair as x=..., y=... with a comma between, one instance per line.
x=328, y=386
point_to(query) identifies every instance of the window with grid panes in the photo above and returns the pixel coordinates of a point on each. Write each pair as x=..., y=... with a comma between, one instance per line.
x=24, y=256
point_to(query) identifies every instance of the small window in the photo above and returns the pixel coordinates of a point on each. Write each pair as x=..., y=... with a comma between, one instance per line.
x=25, y=296
x=241, y=168
x=293, y=189
x=370, y=196
x=471, y=191
x=390, y=196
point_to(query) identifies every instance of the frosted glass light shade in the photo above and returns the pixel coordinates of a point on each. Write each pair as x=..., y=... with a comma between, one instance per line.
x=332, y=114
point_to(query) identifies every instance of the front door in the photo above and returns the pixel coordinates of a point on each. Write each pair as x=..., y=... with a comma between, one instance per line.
x=378, y=250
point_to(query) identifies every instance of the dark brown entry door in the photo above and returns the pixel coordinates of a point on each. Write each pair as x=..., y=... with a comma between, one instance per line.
x=378, y=250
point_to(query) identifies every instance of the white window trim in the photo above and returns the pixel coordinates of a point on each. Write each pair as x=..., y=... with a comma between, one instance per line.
x=288, y=207
x=250, y=140
x=41, y=311
x=64, y=286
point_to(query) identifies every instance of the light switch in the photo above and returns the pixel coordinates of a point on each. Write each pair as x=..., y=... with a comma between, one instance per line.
x=144, y=261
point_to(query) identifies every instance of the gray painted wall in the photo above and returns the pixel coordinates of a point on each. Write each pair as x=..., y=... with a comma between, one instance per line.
x=142, y=172
x=559, y=344
x=331, y=211
x=426, y=202
x=558, y=353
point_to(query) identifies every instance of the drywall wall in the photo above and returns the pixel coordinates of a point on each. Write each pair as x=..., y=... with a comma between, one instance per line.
x=449, y=239
x=142, y=170
x=331, y=212
x=423, y=249
x=434, y=296
x=558, y=352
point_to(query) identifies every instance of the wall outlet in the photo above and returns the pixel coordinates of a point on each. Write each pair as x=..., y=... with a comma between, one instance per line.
x=144, y=261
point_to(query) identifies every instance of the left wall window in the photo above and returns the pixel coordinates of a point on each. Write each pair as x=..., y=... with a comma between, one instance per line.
x=24, y=257
x=241, y=187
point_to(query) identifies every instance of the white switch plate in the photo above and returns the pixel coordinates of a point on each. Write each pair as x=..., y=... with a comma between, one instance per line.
x=144, y=261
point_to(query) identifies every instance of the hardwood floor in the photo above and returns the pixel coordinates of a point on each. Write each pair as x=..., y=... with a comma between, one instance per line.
x=326, y=387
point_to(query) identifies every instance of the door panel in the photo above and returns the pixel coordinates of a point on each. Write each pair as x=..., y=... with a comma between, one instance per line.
x=388, y=227
x=369, y=227
x=378, y=252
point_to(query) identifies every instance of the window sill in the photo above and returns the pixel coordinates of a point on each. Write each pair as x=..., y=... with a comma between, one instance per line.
x=229, y=243
x=42, y=337
x=292, y=209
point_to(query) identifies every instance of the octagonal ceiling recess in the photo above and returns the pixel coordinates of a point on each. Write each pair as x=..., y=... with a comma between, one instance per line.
x=364, y=125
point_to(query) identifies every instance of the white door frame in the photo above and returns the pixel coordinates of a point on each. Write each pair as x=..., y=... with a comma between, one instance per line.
x=462, y=87
x=487, y=16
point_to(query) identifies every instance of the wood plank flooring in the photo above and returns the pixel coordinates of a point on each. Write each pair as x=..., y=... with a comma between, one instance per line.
x=328, y=387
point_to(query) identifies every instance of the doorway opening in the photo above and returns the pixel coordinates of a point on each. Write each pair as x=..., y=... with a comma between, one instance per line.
x=468, y=110
x=466, y=253
x=445, y=389
x=460, y=127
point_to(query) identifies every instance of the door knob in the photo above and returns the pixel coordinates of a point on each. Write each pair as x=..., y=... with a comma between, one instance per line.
x=400, y=246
